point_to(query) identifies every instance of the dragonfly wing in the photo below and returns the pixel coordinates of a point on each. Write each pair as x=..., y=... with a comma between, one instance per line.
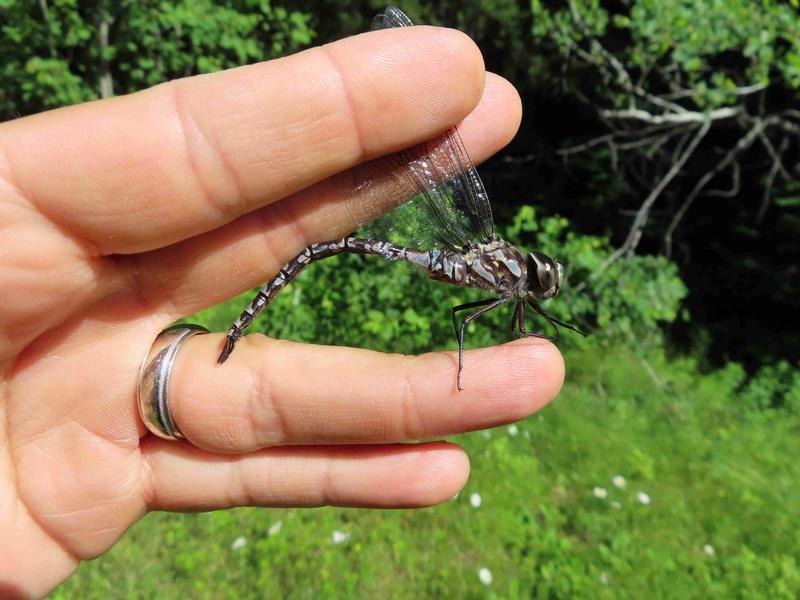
x=391, y=17
x=448, y=203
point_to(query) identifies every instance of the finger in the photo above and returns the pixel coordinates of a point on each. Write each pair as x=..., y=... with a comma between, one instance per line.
x=142, y=171
x=210, y=268
x=272, y=392
x=181, y=477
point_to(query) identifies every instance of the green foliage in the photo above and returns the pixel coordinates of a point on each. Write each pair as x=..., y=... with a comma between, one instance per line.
x=634, y=72
x=775, y=386
x=691, y=36
x=53, y=54
x=627, y=300
x=720, y=523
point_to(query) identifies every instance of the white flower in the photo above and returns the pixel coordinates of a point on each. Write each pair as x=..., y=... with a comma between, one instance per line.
x=600, y=492
x=604, y=578
x=643, y=498
x=340, y=536
x=618, y=481
x=475, y=499
x=485, y=575
x=615, y=505
x=526, y=434
x=512, y=430
x=709, y=549
x=239, y=543
x=486, y=433
x=275, y=528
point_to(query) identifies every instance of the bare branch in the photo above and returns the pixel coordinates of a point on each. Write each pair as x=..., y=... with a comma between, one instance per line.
x=740, y=146
x=679, y=147
x=619, y=69
x=103, y=24
x=744, y=90
x=776, y=158
x=787, y=126
x=586, y=145
x=679, y=119
x=735, y=183
x=51, y=45
x=773, y=172
x=656, y=141
x=659, y=143
x=642, y=137
x=644, y=211
x=652, y=373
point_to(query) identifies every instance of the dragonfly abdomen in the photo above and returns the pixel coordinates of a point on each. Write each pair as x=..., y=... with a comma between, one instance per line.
x=310, y=254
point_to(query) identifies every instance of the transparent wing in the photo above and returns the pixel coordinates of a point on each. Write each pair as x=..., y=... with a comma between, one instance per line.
x=391, y=17
x=445, y=201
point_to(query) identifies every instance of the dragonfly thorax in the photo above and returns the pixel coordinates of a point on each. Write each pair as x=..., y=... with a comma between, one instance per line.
x=544, y=276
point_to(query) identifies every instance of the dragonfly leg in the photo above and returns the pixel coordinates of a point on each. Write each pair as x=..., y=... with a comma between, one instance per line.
x=461, y=307
x=486, y=308
x=555, y=322
x=531, y=334
x=517, y=328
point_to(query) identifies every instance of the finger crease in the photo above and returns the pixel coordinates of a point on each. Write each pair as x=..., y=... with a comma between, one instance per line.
x=349, y=103
x=90, y=248
x=327, y=496
x=412, y=422
x=189, y=125
x=263, y=400
x=149, y=482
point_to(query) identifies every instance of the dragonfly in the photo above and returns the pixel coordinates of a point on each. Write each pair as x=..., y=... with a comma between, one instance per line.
x=444, y=204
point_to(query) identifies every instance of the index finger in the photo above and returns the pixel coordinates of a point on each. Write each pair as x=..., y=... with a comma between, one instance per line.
x=144, y=171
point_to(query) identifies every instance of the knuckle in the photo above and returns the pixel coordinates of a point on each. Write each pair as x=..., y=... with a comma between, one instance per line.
x=265, y=413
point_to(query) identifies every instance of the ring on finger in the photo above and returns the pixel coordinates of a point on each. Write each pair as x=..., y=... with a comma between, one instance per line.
x=154, y=377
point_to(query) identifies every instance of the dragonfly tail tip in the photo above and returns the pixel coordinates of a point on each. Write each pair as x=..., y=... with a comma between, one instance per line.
x=226, y=351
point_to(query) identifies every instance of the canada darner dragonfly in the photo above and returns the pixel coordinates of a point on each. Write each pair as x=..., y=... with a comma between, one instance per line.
x=443, y=198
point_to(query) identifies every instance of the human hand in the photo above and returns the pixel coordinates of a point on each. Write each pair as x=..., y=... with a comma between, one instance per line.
x=120, y=216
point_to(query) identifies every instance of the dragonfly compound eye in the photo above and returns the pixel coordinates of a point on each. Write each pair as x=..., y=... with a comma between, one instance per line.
x=544, y=275
x=560, y=270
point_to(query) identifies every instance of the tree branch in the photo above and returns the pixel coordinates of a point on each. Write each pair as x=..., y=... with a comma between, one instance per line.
x=773, y=172
x=51, y=45
x=622, y=74
x=776, y=159
x=643, y=213
x=735, y=183
x=103, y=25
x=673, y=119
x=740, y=146
x=744, y=90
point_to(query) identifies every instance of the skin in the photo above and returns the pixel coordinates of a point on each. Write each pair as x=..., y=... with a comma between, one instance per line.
x=119, y=216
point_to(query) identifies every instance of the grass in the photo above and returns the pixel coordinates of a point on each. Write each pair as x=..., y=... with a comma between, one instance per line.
x=721, y=475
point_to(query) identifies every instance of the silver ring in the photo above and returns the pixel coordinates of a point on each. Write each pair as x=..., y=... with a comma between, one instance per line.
x=154, y=380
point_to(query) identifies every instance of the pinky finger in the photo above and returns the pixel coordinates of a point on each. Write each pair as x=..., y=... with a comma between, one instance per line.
x=180, y=477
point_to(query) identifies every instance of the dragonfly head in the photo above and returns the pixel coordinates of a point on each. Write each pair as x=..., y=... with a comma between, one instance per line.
x=544, y=276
